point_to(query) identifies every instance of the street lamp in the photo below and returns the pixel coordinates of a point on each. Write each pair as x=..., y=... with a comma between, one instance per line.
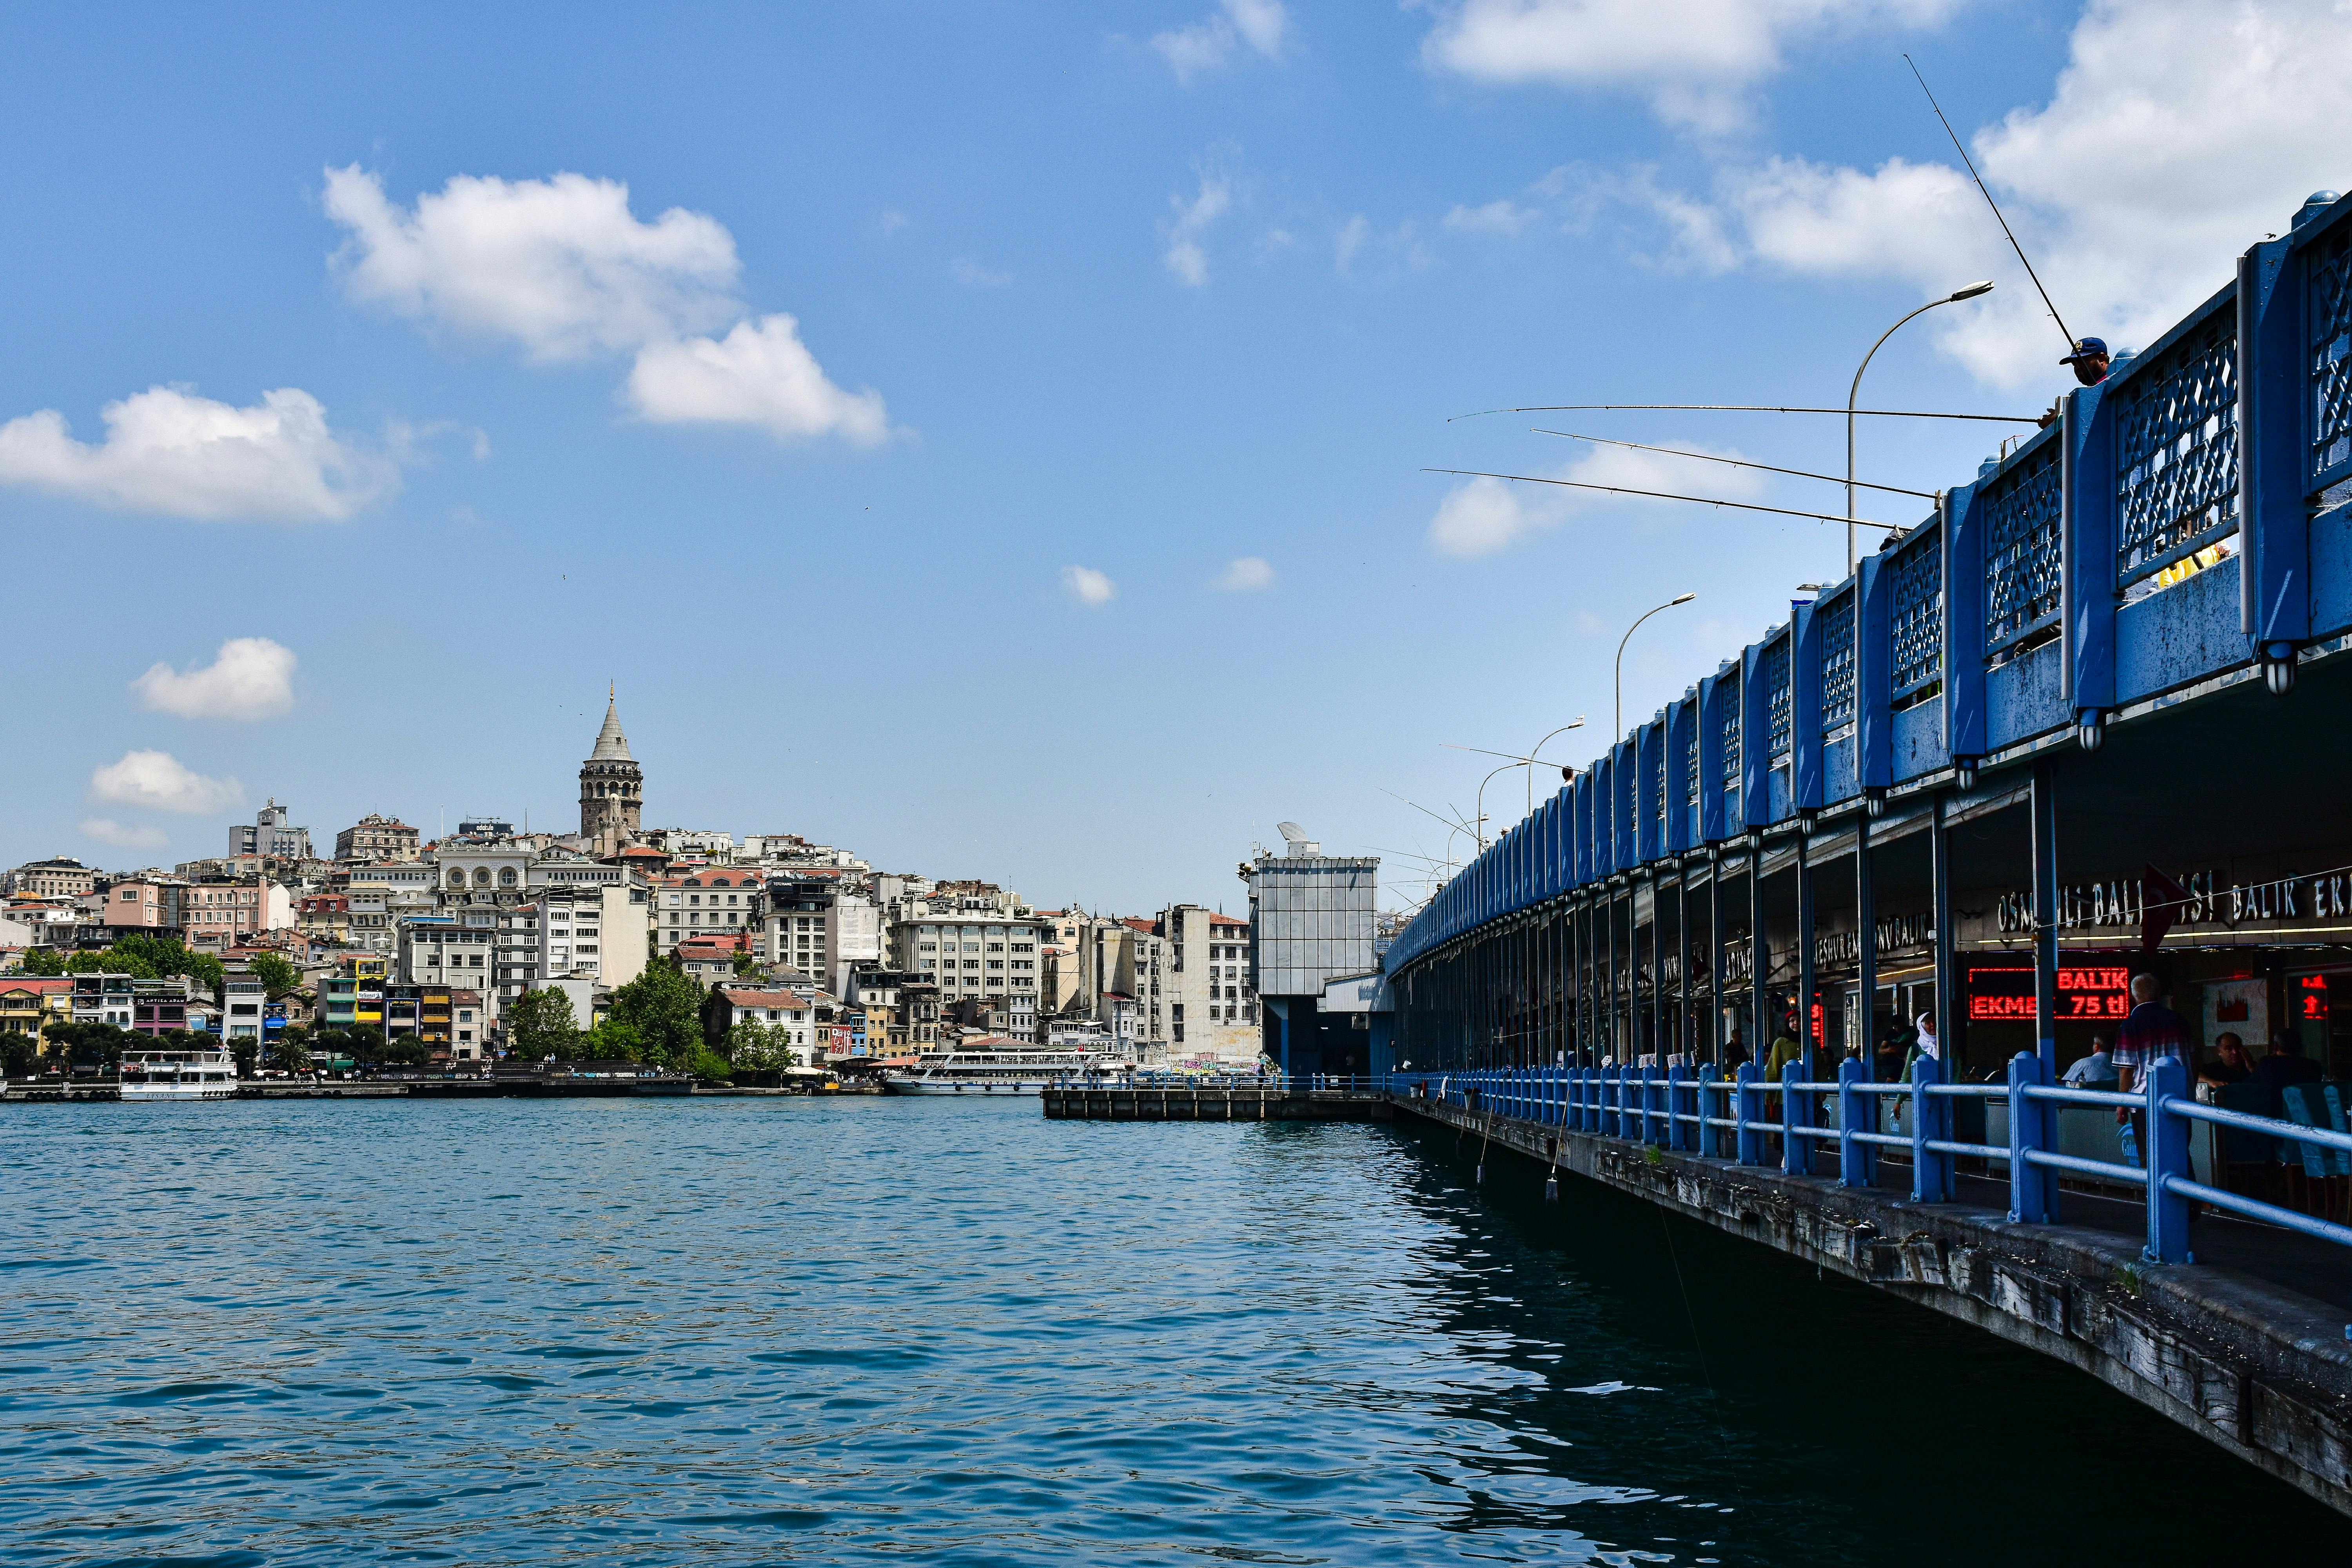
x=1575, y=723
x=1670, y=604
x=1970, y=292
x=1481, y=817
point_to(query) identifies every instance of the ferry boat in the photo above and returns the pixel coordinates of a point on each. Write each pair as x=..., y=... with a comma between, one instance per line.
x=178, y=1075
x=1003, y=1071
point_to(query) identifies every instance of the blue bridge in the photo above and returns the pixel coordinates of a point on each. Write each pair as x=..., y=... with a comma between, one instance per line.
x=2087, y=720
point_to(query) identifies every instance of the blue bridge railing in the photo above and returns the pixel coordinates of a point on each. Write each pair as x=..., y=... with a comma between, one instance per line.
x=1695, y=1113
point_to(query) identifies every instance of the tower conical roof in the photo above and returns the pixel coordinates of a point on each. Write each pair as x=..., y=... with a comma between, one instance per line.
x=611, y=744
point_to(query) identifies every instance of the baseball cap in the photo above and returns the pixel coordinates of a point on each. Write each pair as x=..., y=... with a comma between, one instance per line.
x=2086, y=348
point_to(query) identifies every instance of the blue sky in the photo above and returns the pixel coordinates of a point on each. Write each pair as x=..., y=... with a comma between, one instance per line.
x=887, y=398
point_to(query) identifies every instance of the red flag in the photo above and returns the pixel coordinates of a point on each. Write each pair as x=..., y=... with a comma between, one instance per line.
x=2162, y=902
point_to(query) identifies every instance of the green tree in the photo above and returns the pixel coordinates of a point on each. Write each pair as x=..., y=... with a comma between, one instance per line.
x=93, y=1046
x=47, y=962
x=664, y=1005
x=709, y=1065
x=761, y=1050
x=19, y=1054
x=277, y=976
x=745, y=964
x=110, y=961
x=245, y=1052
x=406, y=1051
x=290, y=1053
x=540, y=1024
x=612, y=1041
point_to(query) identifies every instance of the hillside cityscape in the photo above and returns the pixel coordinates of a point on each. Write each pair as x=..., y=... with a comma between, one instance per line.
x=760, y=956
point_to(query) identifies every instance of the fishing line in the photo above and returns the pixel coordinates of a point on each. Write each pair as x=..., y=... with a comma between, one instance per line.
x=1998, y=218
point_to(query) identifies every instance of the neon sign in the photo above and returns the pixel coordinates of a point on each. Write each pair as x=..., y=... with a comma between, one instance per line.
x=2086, y=992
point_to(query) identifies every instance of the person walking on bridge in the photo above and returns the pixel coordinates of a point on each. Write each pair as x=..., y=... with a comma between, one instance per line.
x=2150, y=1033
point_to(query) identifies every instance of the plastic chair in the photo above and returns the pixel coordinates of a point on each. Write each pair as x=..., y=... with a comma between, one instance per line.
x=2305, y=1107
x=2240, y=1148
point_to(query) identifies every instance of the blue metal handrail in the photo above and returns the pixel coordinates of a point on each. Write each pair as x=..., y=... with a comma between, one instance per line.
x=1674, y=1108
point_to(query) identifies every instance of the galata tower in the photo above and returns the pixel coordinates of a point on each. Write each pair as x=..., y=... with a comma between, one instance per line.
x=612, y=786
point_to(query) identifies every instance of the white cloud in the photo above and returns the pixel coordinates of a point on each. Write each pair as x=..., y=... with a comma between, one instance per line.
x=1400, y=245
x=1246, y=574
x=759, y=375
x=1695, y=59
x=1089, y=586
x=1500, y=217
x=563, y=269
x=1210, y=43
x=560, y=266
x=124, y=835
x=1482, y=516
x=251, y=678
x=973, y=275
x=1184, y=255
x=173, y=454
x=2178, y=133
x=158, y=782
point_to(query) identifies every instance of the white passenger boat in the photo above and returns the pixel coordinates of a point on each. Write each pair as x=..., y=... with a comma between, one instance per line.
x=1002, y=1070
x=178, y=1075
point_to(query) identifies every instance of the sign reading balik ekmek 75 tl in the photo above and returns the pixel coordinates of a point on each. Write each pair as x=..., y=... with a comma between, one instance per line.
x=2327, y=896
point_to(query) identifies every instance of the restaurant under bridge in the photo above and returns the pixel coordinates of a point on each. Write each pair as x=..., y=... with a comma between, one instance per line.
x=2091, y=717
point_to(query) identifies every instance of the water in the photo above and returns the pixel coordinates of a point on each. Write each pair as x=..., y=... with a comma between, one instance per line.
x=881, y=1331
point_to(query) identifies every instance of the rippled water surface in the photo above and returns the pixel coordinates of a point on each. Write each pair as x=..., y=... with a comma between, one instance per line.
x=736, y=1330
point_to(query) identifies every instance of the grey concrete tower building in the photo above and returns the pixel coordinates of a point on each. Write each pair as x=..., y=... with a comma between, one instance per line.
x=612, y=786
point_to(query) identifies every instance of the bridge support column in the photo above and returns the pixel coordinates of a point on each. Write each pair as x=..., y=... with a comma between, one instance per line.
x=1806, y=1002
x=1715, y=994
x=1658, y=1043
x=1865, y=930
x=2045, y=920
x=1686, y=1038
x=1759, y=963
x=1939, y=875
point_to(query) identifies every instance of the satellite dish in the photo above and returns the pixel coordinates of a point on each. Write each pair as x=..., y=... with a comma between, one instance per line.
x=1291, y=831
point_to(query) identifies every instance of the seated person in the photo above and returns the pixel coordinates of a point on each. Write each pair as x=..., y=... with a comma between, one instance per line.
x=2285, y=1066
x=2097, y=1070
x=2231, y=1063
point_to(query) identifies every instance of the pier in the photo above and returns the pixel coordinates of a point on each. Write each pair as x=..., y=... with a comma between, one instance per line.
x=1272, y=1100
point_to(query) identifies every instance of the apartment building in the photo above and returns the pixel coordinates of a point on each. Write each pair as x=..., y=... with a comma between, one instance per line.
x=820, y=930
x=573, y=930
x=224, y=911
x=1212, y=1011
x=974, y=956
x=59, y=877
x=704, y=901
x=453, y=950
x=144, y=904
x=375, y=838
x=271, y=836
x=787, y=1010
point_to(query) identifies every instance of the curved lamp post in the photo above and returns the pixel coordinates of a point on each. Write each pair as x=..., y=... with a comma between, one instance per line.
x=1645, y=615
x=1535, y=751
x=1970, y=292
x=1481, y=817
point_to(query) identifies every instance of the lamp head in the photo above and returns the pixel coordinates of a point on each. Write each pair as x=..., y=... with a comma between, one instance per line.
x=1971, y=291
x=1682, y=598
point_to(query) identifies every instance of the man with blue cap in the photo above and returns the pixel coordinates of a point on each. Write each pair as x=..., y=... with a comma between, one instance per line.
x=2089, y=360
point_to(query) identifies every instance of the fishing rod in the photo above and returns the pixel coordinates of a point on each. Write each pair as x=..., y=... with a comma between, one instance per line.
x=1665, y=495
x=1998, y=218
x=1750, y=408
x=1737, y=463
x=1449, y=822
